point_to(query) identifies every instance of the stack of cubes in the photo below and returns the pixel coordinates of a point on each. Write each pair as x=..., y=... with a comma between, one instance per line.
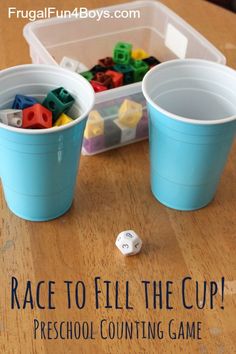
x=114, y=126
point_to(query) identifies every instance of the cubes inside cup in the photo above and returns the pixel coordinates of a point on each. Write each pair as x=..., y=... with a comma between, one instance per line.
x=54, y=110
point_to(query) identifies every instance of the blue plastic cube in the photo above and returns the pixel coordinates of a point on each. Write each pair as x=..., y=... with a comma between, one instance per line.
x=22, y=102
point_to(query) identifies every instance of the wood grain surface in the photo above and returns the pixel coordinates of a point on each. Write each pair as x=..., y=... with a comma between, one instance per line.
x=113, y=194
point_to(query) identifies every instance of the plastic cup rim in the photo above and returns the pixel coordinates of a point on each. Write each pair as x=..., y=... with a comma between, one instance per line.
x=175, y=116
x=53, y=129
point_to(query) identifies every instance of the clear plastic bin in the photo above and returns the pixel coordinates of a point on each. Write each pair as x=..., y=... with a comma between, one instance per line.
x=158, y=30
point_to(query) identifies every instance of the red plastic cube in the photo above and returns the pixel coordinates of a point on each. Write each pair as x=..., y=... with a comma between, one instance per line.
x=37, y=117
x=106, y=62
x=117, y=78
x=103, y=79
x=97, y=86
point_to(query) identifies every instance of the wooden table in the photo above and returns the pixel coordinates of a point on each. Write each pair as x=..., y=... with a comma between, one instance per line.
x=113, y=194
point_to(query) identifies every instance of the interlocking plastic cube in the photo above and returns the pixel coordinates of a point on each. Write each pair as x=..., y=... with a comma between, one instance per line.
x=22, y=102
x=94, y=126
x=127, y=72
x=127, y=133
x=62, y=120
x=12, y=117
x=94, y=144
x=69, y=64
x=87, y=75
x=117, y=77
x=112, y=133
x=81, y=68
x=97, y=86
x=106, y=62
x=103, y=79
x=130, y=113
x=122, y=53
x=37, y=117
x=97, y=69
x=151, y=61
x=139, y=69
x=58, y=101
x=142, y=127
x=73, y=65
x=139, y=54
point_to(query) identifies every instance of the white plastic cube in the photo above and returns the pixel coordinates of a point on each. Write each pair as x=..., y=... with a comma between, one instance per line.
x=69, y=64
x=127, y=133
x=81, y=68
x=73, y=65
x=11, y=117
x=128, y=242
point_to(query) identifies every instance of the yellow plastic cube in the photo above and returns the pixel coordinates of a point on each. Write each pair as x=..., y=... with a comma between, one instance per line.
x=139, y=54
x=62, y=120
x=94, y=126
x=130, y=113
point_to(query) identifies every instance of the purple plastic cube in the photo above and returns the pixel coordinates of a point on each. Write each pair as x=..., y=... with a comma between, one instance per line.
x=142, y=127
x=94, y=144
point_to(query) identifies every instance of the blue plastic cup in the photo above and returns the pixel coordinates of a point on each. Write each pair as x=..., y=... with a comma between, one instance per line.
x=38, y=168
x=192, y=114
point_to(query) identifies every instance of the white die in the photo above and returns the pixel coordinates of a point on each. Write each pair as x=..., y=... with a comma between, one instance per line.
x=128, y=242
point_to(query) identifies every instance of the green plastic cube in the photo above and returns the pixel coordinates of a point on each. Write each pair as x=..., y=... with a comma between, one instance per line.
x=58, y=101
x=127, y=71
x=122, y=53
x=139, y=68
x=87, y=75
